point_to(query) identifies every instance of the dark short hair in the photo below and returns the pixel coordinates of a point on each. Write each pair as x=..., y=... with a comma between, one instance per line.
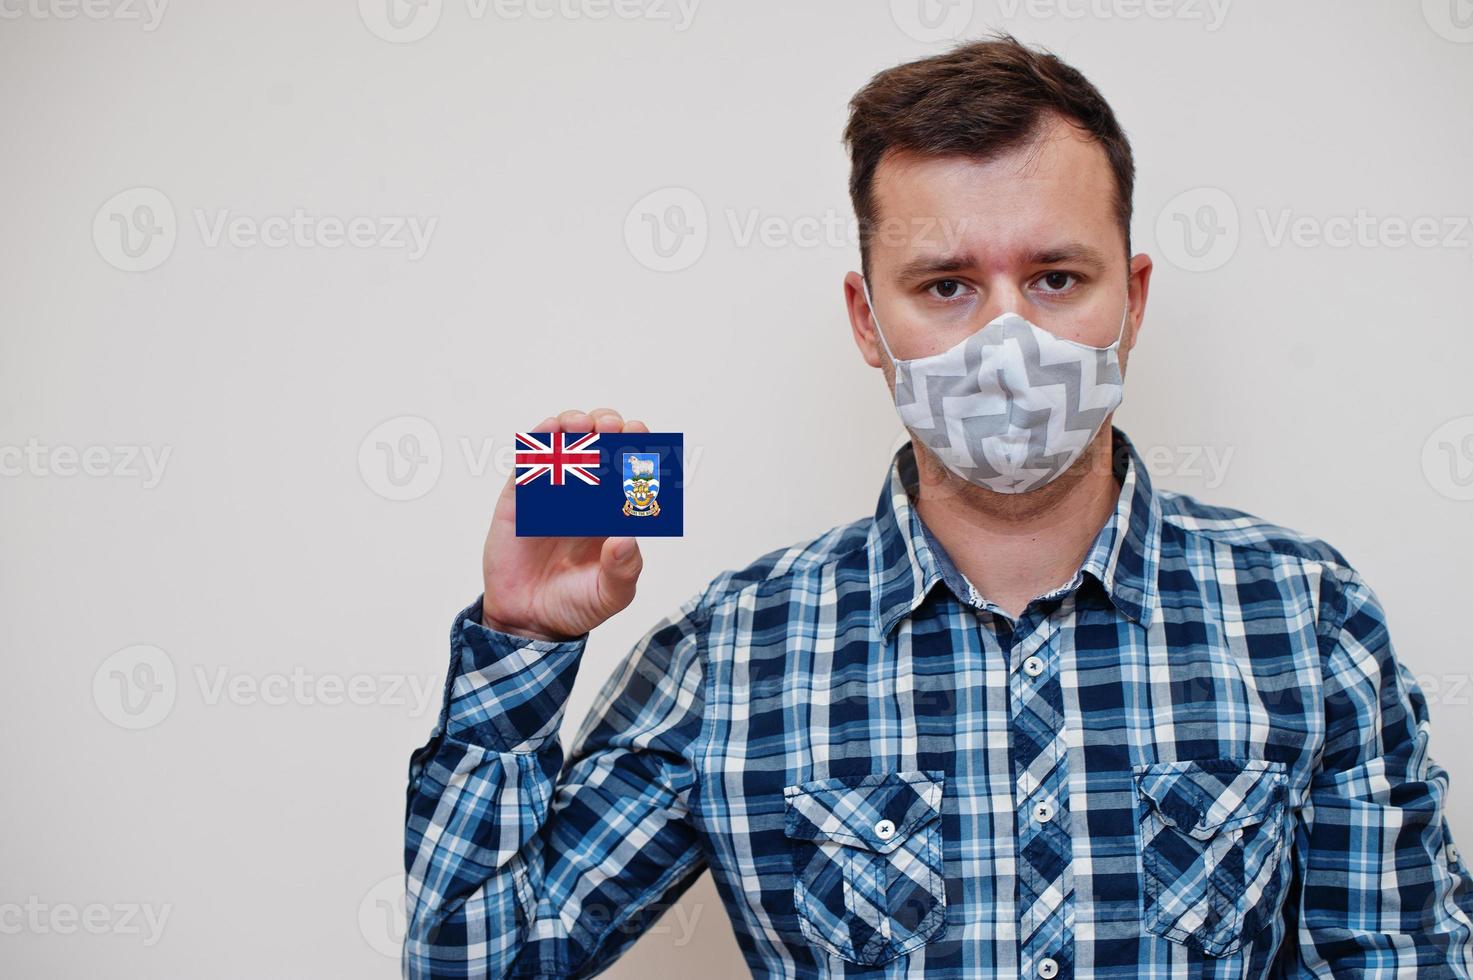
x=979, y=100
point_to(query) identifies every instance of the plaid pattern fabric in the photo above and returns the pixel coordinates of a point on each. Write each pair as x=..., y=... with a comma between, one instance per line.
x=1198, y=758
x=868, y=874
x=1201, y=877
x=1040, y=800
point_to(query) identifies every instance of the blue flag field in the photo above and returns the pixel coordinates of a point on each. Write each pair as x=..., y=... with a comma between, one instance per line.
x=598, y=484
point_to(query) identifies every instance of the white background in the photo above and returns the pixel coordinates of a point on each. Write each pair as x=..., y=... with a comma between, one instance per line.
x=1322, y=386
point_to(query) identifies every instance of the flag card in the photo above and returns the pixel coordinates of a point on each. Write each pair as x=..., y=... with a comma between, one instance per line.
x=598, y=484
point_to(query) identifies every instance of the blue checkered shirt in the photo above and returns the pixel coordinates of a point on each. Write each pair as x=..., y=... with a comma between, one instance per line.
x=1200, y=757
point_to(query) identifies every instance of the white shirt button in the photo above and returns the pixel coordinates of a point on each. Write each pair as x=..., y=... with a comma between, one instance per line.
x=1047, y=967
x=885, y=829
x=1452, y=853
x=1043, y=811
x=1033, y=666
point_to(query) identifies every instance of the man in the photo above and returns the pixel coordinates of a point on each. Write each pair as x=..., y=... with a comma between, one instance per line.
x=1034, y=717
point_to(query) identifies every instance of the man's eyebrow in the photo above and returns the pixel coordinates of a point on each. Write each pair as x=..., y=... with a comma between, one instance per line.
x=1068, y=252
x=930, y=265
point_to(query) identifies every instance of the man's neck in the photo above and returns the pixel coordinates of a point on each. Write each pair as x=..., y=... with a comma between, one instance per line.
x=1016, y=547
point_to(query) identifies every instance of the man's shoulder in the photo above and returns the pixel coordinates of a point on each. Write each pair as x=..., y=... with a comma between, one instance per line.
x=795, y=566
x=1240, y=530
x=1258, y=546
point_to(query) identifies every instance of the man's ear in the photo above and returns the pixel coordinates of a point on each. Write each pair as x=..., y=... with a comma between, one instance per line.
x=861, y=324
x=1138, y=288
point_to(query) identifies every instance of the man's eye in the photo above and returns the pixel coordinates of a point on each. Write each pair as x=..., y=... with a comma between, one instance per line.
x=946, y=288
x=1057, y=282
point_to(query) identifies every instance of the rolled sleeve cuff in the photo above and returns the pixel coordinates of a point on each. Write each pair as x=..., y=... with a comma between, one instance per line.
x=507, y=693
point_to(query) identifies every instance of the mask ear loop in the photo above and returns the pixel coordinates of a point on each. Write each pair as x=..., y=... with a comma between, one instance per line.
x=1113, y=345
x=878, y=332
x=1120, y=334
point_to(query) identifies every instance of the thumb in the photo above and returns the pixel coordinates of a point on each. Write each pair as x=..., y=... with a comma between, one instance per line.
x=619, y=565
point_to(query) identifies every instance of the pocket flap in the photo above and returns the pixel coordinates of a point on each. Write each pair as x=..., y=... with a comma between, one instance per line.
x=861, y=810
x=1204, y=796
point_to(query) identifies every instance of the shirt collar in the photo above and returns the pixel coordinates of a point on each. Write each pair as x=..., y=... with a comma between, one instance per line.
x=906, y=561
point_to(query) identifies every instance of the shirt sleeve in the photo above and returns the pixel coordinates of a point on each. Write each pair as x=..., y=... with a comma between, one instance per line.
x=519, y=864
x=1381, y=890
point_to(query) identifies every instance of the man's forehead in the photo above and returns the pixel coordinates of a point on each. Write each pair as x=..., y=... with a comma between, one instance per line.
x=1052, y=193
x=1075, y=177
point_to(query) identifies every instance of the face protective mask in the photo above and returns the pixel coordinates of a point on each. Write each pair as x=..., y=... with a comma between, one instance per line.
x=1011, y=406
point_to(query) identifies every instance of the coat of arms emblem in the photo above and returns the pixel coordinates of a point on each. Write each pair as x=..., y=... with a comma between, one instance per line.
x=641, y=484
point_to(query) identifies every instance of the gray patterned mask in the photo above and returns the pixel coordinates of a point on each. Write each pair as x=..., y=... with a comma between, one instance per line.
x=1011, y=406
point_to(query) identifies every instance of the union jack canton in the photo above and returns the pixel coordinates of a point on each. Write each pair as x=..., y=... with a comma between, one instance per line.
x=1199, y=758
x=559, y=455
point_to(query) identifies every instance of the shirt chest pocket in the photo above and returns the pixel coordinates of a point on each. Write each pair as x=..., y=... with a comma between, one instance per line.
x=1212, y=849
x=867, y=865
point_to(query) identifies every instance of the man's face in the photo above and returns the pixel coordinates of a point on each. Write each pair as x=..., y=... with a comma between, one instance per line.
x=961, y=242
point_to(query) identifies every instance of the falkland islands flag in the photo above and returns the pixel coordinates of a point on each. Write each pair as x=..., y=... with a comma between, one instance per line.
x=597, y=484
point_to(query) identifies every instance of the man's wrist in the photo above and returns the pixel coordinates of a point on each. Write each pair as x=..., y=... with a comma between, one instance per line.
x=513, y=629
